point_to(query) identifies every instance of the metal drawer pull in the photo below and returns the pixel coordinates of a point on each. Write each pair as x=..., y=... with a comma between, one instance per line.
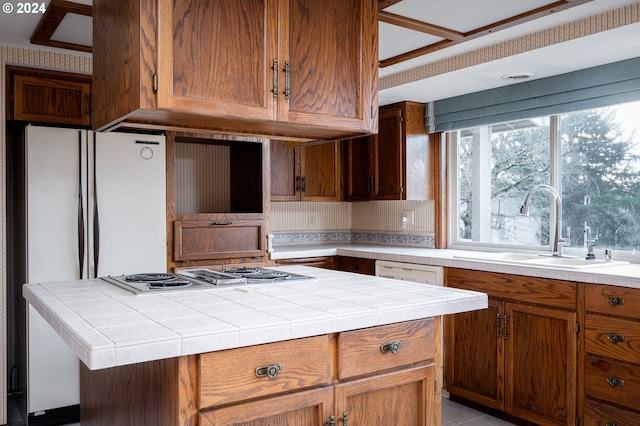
x=270, y=371
x=615, y=338
x=615, y=301
x=393, y=347
x=222, y=222
x=615, y=382
x=610, y=424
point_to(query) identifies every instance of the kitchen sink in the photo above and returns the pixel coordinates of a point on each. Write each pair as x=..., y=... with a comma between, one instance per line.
x=541, y=260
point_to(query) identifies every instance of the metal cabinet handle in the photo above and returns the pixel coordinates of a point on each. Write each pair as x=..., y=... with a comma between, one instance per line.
x=271, y=371
x=345, y=418
x=497, y=325
x=275, y=69
x=615, y=382
x=615, y=338
x=615, y=301
x=610, y=424
x=222, y=222
x=331, y=421
x=287, y=80
x=506, y=320
x=393, y=347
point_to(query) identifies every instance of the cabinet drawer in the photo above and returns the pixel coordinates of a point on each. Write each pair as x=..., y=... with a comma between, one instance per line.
x=356, y=264
x=599, y=414
x=213, y=239
x=543, y=291
x=240, y=374
x=615, y=382
x=372, y=349
x=612, y=300
x=612, y=337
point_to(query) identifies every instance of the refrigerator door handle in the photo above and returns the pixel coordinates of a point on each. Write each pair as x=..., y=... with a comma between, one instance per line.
x=96, y=216
x=81, y=246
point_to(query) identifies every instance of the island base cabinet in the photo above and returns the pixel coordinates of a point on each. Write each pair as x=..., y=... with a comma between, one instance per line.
x=294, y=383
x=305, y=408
x=400, y=398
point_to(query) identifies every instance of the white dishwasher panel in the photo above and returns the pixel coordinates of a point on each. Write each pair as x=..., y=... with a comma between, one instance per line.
x=424, y=274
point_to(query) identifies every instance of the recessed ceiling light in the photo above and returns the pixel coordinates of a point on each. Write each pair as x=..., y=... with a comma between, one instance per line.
x=518, y=76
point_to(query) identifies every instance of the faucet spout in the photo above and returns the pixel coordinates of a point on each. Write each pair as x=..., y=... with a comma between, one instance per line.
x=558, y=241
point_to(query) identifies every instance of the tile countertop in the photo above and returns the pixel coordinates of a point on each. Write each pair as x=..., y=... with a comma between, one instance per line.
x=107, y=326
x=626, y=275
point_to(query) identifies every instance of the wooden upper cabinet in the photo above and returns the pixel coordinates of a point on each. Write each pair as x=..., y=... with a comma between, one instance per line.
x=299, y=69
x=42, y=96
x=394, y=164
x=216, y=57
x=306, y=173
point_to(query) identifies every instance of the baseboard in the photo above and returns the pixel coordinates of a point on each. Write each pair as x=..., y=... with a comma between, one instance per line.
x=56, y=416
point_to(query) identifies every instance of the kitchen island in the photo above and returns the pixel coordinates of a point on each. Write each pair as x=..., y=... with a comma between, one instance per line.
x=340, y=342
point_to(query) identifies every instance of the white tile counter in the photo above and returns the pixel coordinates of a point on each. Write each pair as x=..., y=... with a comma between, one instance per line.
x=107, y=326
x=623, y=275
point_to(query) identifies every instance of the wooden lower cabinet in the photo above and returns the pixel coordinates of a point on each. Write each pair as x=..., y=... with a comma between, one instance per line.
x=611, y=362
x=295, y=383
x=355, y=264
x=305, y=408
x=326, y=262
x=516, y=356
x=400, y=398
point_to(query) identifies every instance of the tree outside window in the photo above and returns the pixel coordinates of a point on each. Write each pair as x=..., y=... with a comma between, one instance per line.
x=599, y=180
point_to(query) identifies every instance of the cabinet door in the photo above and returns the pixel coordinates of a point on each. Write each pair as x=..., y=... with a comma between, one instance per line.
x=205, y=240
x=327, y=48
x=48, y=100
x=285, y=171
x=216, y=57
x=389, y=165
x=306, y=408
x=540, y=364
x=358, y=173
x=402, y=398
x=474, y=361
x=321, y=172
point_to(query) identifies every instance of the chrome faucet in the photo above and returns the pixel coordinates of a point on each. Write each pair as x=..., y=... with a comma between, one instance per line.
x=589, y=242
x=558, y=241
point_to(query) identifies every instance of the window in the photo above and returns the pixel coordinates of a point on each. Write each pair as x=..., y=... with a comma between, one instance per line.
x=590, y=157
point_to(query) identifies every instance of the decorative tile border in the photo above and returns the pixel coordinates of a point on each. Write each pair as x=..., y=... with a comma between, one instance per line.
x=425, y=240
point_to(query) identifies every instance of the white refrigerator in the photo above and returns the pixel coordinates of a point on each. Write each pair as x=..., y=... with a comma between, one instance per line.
x=95, y=206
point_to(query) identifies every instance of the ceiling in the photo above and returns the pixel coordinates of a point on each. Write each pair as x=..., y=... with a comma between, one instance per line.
x=434, y=49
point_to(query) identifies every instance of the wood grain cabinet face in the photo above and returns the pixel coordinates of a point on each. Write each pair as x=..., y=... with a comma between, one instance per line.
x=356, y=264
x=523, y=356
x=292, y=382
x=403, y=398
x=50, y=100
x=244, y=66
x=305, y=173
x=383, y=348
x=204, y=239
x=394, y=164
x=234, y=375
x=612, y=356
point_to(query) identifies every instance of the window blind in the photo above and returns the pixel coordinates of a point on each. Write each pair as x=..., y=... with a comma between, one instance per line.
x=600, y=86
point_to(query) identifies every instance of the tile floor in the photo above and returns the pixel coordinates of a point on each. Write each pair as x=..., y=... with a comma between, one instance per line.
x=453, y=414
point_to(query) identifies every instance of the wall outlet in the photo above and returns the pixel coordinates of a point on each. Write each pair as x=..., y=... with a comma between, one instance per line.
x=409, y=215
x=313, y=220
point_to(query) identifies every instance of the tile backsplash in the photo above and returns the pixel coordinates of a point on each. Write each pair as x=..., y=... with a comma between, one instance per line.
x=369, y=222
